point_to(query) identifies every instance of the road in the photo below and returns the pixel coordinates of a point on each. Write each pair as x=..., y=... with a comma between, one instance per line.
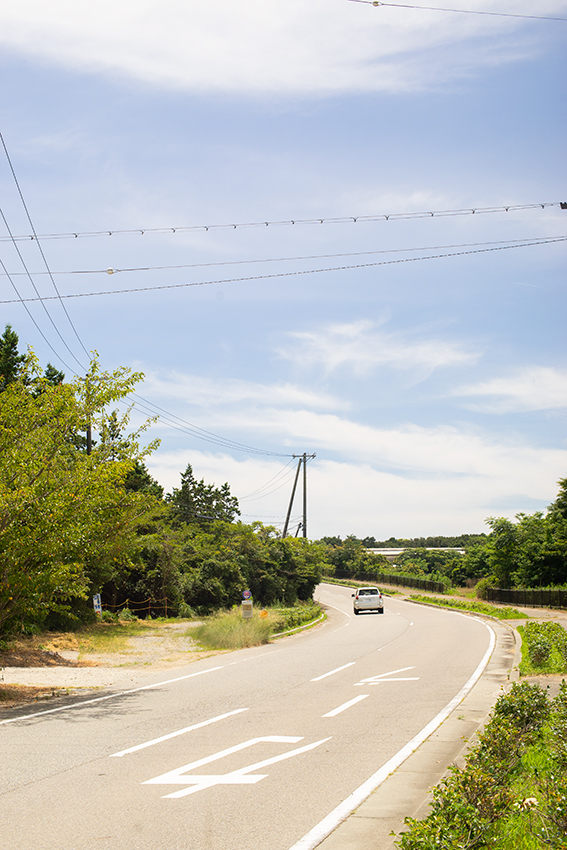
x=243, y=750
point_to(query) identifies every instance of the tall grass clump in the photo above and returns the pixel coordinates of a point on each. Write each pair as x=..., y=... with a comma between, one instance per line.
x=229, y=630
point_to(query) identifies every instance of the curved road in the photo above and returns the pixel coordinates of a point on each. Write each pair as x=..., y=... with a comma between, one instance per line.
x=252, y=748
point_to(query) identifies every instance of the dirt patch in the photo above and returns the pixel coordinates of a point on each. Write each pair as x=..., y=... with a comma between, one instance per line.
x=14, y=695
x=29, y=656
x=45, y=666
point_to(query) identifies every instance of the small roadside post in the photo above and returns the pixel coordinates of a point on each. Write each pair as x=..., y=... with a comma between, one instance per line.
x=247, y=606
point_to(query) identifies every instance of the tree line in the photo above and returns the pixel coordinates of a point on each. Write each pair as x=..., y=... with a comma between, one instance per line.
x=526, y=553
x=78, y=519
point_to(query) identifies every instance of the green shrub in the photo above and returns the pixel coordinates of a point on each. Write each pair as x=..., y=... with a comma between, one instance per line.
x=511, y=794
x=544, y=648
x=126, y=615
x=108, y=617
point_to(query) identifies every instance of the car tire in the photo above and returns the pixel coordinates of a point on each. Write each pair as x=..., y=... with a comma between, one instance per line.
x=355, y=611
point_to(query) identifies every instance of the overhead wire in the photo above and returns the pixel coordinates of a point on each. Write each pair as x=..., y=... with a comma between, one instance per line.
x=257, y=260
x=299, y=272
x=28, y=311
x=273, y=478
x=464, y=11
x=345, y=219
x=150, y=407
x=44, y=258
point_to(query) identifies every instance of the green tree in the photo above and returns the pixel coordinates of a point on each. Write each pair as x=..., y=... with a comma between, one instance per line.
x=66, y=519
x=200, y=503
x=11, y=361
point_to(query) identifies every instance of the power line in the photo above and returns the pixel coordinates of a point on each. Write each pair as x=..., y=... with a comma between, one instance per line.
x=26, y=308
x=291, y=259
x=13, y=240
x=186, y=427
x=464, y=11
x=347, y=219
x=545, y=241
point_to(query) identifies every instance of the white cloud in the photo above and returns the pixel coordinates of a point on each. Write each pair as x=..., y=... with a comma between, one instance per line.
x=364, y=499
x=206, y=392
x=358, y=346
x=264, y=45
x=534, y=388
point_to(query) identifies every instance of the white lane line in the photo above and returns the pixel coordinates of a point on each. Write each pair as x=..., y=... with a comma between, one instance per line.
x=354, y=800
x=346, y=705
x=331, y=672
x=378, y=680
x=175, y=734
x=108, y=696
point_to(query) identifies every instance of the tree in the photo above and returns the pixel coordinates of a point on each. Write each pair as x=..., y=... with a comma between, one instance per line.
x=66, y=518
x=200, y=503
x=11, y=361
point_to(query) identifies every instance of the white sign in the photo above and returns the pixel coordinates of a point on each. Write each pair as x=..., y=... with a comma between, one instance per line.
x=247, y=609
x=97, y=604
x=199, y=782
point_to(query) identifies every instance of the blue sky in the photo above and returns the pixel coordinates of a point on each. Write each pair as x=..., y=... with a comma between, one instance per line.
x=432, y=391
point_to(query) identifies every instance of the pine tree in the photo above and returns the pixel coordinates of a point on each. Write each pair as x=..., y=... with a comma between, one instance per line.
x=11, y=361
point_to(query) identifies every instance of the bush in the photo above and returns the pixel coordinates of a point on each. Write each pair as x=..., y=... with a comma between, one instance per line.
x=545, y=646
x=484, y=585
x=505, y=797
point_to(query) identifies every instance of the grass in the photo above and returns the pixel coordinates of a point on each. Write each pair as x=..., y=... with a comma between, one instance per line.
x=475, y=606
x=229, y=629
x=106, y=638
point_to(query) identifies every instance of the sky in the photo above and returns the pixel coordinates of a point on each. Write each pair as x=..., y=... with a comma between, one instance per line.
x=311, y=226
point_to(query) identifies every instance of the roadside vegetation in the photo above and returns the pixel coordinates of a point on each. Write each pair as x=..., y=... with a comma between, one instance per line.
x=512, y=792
x=80, y=515
x=544, y=649
x=229, y=630
x=472, y=605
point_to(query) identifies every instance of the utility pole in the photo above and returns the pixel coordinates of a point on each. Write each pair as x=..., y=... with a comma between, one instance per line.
x=302, y=459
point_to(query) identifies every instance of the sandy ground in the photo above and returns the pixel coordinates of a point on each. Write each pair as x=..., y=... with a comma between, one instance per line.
x=30, y=673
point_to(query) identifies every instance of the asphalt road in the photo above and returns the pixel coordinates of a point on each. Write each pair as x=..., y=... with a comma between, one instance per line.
x=244, y=750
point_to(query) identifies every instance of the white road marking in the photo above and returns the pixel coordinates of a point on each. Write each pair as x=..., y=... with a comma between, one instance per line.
x=353, y=801
x=108, y=696
x=346, y=705
x=234, y=777
x=175, y=734
x=331, y=672
x=376, y=680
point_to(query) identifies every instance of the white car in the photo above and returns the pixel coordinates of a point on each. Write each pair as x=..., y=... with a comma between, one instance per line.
x=368, y=599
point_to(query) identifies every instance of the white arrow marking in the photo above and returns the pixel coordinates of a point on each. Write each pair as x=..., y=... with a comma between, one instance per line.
x=234, y=777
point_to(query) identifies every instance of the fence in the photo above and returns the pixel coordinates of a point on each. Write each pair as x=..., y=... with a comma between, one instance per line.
x=397, y=580
x=144, y=608
x=531, y=597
